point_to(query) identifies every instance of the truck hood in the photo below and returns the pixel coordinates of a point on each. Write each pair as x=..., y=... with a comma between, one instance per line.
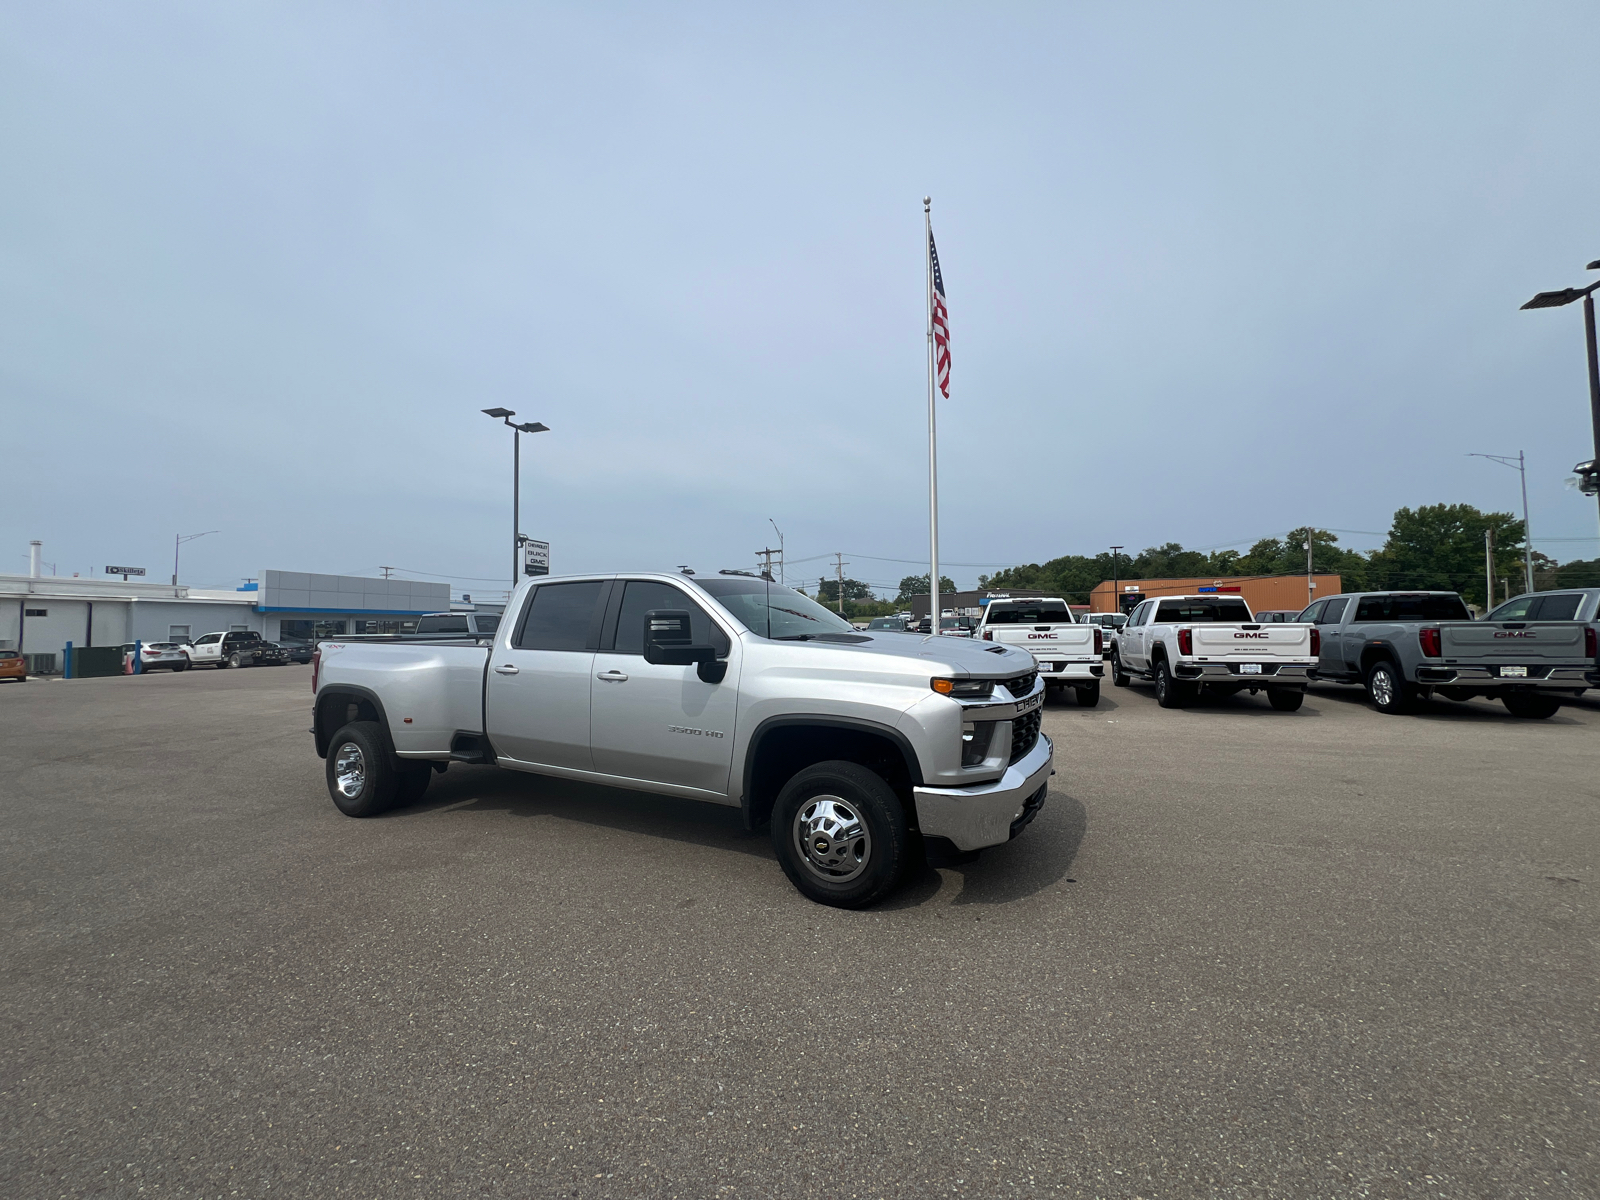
x=941, y=655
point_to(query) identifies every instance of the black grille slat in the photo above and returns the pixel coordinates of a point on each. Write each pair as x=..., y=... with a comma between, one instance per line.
x=1021, y=685
x=1025, y=733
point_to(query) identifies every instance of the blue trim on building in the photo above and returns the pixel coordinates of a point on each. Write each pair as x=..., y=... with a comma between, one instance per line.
x=357, y=612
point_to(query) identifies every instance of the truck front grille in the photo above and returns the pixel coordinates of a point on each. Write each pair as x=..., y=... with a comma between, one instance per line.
x=1021, y=685
x=1025, y=733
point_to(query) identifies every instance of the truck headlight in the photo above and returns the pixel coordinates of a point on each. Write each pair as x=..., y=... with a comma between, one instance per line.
x=975, y=739
x=963, y=689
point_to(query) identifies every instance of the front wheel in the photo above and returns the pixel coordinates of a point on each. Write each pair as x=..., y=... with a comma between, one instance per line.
x=361, y=774
x=1088, y=696
x=1532, y=708
x=1285, y=699
x=1119, y=677
x=841, y=834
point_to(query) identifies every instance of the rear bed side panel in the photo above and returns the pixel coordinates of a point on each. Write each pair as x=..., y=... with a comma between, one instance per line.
x=425, y=692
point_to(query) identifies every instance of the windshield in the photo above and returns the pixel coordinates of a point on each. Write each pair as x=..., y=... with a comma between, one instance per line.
x=886, y=623
x=774, y=611
x=1044, y=612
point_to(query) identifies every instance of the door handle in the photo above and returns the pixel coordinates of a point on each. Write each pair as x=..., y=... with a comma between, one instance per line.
x=612, y=676
x=505, y=669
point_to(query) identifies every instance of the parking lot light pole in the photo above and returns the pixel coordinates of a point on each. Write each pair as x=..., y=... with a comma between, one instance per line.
x=505, y=414
x=178, y=541
x=1116, y=583
x=1567, y=296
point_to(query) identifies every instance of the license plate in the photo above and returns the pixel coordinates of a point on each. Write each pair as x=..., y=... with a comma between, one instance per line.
x=1513, y=672
x=1249, y=668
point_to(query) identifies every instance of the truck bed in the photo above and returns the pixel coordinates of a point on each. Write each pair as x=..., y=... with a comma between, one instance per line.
x=430, y=690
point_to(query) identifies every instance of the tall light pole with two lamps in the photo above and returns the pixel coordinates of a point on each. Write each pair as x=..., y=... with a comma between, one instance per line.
x=1588, y=472
x=505, y=414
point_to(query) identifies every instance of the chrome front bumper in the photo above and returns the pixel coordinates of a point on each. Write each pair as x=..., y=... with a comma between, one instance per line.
x=982, y=815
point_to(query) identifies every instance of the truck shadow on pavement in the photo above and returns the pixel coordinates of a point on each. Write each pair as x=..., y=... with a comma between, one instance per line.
x=1477, y=709
x=488, y=789
x=1037, y=859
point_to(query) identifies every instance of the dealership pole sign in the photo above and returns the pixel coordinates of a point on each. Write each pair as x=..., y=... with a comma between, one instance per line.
x=535, y=557
x=124, y=572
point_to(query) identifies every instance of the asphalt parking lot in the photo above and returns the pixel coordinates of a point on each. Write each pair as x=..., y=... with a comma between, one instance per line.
x=1241, y=953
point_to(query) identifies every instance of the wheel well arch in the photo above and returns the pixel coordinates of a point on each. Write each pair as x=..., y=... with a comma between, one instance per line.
x=782, y=746
x=1382, y=651
x=340, y=704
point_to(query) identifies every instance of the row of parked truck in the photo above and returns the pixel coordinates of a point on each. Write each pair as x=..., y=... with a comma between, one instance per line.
x=1531, y=653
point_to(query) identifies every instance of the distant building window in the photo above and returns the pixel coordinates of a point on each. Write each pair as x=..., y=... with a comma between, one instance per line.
x=36, y=612
x=178, y=633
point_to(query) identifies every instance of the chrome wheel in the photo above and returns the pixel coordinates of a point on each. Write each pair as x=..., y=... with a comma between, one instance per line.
x=1382, y=684
x=832, y=838
x=350, y=770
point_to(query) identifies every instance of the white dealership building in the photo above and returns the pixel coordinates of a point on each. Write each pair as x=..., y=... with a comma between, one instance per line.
x=40, y=614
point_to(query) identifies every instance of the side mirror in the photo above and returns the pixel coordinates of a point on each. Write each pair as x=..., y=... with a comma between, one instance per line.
x=669, y=641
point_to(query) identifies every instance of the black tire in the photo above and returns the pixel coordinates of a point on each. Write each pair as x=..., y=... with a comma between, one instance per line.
x=176, y=667
x=1388, y=689
x=1169, y=692
x=1088, y=696
x=1285, y=699
x=413, y=778
x=1531, y=708
x=858, y=825
x=373, y=785
x=1119, y=677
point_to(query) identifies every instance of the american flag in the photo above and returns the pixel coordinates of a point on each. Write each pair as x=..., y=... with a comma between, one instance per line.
x=941, y=323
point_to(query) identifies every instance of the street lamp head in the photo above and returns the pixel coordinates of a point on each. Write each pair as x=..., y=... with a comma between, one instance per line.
x=532, y=427
x=1594, y=266
x=1555, y=299
x=497, y=413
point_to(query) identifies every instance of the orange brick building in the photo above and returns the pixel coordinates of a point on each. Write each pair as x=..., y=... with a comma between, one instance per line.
x=1260, y=592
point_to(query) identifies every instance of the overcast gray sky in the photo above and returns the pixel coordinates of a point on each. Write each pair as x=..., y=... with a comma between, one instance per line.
x=1213, y=271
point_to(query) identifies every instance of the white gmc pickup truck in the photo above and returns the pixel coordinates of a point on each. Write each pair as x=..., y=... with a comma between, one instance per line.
x=729, y=689
x=1184, y=643
x=1068, y=653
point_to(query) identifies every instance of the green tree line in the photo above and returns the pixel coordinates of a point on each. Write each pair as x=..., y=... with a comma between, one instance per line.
x=1434, y=547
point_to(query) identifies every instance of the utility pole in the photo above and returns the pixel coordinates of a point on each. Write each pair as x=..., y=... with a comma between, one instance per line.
x=1488, y=568
x=766, y=561
x=839, y=565
x=1116, y=583
x=1311, y=583
x=1520, y=463
x=781, y=578
x=387, y=571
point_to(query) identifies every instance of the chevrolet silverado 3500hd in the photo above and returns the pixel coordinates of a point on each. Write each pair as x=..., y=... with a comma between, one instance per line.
x=729, y=689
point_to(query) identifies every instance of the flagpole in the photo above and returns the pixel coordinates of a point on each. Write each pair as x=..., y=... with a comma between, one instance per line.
x=933, y=437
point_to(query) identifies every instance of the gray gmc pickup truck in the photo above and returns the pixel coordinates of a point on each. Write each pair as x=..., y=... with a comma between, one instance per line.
x=1403, y=646
x=730, y=689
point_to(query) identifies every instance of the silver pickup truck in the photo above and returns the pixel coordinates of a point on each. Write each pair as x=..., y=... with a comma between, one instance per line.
x=1405, y=646
x=730, y=689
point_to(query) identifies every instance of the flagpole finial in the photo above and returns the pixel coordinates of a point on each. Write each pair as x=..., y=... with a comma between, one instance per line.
x=927, y=203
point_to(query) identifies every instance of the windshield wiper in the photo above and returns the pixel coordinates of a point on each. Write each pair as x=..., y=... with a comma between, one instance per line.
x=796, y=637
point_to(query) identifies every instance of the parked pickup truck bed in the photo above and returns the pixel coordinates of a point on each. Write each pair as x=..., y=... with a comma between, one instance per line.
x=1185, y=643
x=1402, y=646
x=728, y=689
x=1068, y=653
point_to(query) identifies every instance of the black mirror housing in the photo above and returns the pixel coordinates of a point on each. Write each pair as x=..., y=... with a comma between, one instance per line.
x=669, y=641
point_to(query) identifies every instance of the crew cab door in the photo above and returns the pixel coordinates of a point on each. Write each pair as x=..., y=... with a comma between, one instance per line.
x=207, y=649
x=654, y=722
x=1131, y=641
x=537, y=698
x=1328, y=619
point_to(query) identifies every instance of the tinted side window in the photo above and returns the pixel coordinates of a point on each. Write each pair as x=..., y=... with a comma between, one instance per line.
x=640, y=596
x=488, y=622
x=1557, y=608
x=1334, y=613
x=1519, y=609
x=1371, y=608
x=1313, y=614
x=559, y=617
x=209, y=639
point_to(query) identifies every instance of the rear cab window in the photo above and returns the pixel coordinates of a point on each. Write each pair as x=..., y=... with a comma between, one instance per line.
x=1198, y=612
x=1413, y=607
x=1047, y=612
